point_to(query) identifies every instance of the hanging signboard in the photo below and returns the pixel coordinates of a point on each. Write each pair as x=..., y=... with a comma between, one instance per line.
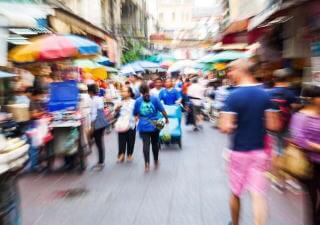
x=315, y=62
x=4, y=34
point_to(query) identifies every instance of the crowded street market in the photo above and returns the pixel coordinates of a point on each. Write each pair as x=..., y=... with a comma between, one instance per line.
x=225, y=94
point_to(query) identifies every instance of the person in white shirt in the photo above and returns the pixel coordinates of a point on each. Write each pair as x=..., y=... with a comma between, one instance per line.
x=85, y=110
x=158, y=85
x=127, y=136
x=98, y=134
x=196, y=94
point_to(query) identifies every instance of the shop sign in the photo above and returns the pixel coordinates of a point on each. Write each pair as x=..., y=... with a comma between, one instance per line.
x=315, y=62
x=315, y=69
x=4, y=34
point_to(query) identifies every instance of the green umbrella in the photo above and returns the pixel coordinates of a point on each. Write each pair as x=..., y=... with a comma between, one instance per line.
x=86, y=63
x=158, y=58
x=207, y=67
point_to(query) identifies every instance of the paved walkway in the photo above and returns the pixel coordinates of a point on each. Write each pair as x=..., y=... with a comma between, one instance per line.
x=190, y=188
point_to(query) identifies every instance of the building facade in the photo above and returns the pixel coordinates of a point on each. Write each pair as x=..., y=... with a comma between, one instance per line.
x=118, y=19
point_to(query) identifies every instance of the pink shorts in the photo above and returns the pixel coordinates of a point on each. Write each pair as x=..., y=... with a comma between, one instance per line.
x=247, y=171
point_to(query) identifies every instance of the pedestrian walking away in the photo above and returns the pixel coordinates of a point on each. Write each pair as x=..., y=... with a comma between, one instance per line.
x=147, y=109
x=99, y=124
x=285, y=102
x=305, y=133
x=196, y=95
x=126, y=125
x=246, y=116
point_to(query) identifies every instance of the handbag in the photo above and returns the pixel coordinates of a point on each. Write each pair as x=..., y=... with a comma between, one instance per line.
x=159, y=124
x=101, y=121
x=123, y=124
x=295, y=162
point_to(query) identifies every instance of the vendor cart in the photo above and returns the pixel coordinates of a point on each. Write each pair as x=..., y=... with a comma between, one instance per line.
x=70, y=139
x=73, y=152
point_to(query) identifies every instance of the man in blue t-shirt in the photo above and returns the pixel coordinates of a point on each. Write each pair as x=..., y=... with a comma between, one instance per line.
x=246, y=116
x=285, y=101
x=147, y=109
x=170, y=95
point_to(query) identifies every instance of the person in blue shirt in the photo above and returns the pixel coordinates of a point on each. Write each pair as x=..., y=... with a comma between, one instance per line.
x=286, y=102
x=170, y=95
x=147, y=109
x=247, y=114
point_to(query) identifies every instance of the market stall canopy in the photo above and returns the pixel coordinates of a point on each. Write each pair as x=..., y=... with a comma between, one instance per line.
x=99, y=72
x=131, y=68
x=111, y=69
x=86, y=63
x=127, y=70
x=6, y=75
x=264, y=17
x=147, y=65
x=166, y=64
x=205, y=58
x=103, y=60
x=158, y=58
x=190, y=70
x=226, y=56
x=203, y=66
x=53, y=47
x=179, y=66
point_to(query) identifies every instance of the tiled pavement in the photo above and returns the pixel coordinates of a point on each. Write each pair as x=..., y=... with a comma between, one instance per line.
x=190, y=188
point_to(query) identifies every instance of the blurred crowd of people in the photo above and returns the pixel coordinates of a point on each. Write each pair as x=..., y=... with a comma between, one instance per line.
x=262, y=119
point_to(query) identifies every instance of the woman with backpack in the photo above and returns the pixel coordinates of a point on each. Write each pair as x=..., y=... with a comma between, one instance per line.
x=147, y=109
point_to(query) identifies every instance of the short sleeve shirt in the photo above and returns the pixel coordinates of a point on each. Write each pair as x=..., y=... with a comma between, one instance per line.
x=284, y=92
x=249, y=104
x=147, y=112
x=169, y=97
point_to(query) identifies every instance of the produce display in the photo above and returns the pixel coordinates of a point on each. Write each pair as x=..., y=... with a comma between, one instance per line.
x=13, y=154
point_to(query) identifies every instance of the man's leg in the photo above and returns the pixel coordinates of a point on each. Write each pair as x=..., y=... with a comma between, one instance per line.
x=259, y=207
x=258, y=186
x=235, y=209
